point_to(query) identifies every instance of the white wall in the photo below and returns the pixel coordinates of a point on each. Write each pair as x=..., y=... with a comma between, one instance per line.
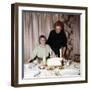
x=5, y=44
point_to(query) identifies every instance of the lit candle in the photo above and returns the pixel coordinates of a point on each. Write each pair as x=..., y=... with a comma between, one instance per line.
x=44, y=60
x=60, y=53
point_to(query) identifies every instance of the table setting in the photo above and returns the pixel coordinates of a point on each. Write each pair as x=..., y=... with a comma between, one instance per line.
x=35, y=70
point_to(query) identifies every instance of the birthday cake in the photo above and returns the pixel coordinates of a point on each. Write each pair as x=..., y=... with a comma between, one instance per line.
x=54, y=62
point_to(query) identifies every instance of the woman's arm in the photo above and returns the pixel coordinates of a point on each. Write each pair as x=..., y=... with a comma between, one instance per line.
x=63, y=51
x=49, y=41
x=64, y=45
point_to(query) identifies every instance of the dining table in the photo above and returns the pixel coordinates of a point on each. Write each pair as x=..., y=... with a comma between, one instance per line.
x=34, y=70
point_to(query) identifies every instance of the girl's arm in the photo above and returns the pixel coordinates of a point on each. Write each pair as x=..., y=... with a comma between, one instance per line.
x=51, y=52
x=34, y=55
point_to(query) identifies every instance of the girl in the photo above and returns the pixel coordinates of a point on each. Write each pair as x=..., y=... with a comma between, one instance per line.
x=42, y=50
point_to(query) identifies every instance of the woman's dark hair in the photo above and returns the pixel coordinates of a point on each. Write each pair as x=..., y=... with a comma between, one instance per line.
x=59, y=23
x=42, y=36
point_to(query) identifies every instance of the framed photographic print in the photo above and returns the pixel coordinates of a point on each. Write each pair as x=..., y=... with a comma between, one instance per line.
x=48, y=44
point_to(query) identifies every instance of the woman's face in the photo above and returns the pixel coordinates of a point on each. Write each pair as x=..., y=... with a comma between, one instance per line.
x=42, y=41
x=58, y=29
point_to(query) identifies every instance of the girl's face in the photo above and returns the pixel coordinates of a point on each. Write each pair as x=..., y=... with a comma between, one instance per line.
x=42, y=41
x=58, y=29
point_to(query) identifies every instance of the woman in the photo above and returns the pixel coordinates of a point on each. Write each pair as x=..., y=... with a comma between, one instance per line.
x=42, y=50
x=57, y=39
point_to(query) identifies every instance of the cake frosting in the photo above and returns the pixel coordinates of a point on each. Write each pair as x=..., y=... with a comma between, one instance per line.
x=54, y=61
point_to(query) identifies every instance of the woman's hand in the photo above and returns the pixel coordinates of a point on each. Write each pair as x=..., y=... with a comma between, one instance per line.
x=52, y=54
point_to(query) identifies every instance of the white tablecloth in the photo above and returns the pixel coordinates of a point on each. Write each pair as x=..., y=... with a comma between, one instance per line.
x=32, y=71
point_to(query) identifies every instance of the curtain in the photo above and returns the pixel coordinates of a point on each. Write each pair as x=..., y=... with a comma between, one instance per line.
x=41, y=23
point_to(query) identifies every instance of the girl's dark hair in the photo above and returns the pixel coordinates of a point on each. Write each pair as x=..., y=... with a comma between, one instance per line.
x=59, y=23
x=42, y=36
